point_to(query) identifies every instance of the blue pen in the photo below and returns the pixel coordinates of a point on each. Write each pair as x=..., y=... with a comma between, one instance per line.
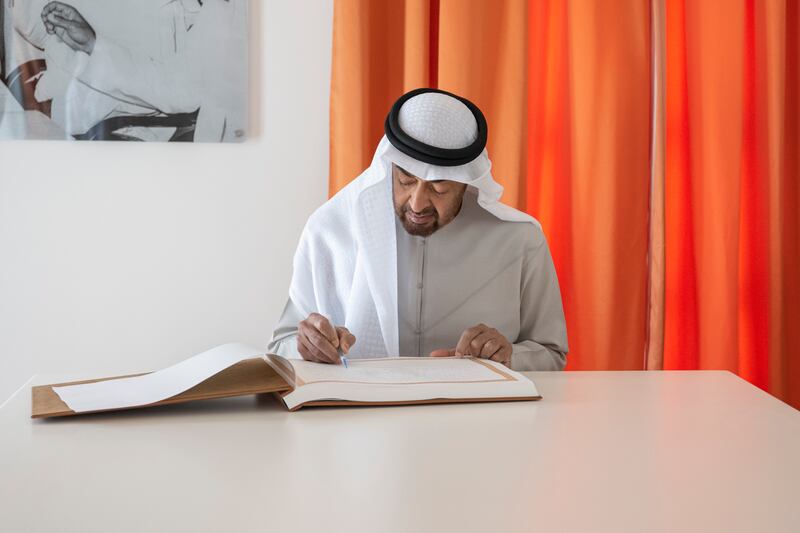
x=342, y=358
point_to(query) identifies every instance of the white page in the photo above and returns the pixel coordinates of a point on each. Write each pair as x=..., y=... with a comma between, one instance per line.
x=157, y=386
x=407, y=379
x=400, y=370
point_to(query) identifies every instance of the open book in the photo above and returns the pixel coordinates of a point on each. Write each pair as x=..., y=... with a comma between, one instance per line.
x=236, y=369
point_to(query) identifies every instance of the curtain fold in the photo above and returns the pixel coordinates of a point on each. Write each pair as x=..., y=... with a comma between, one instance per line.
x=731, y=197
x=656, y=141
x=381, y=49
x=589, y=167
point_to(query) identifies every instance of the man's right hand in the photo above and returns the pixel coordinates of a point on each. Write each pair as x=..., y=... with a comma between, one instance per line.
x=319, y=341
x=69, y=25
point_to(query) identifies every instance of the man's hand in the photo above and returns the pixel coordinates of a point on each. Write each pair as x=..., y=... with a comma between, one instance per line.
x=319, y=341
x=480, y=341
x=69, y=25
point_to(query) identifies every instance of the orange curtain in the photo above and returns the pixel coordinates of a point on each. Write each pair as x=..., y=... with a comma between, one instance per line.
x=587, y=172
x=572, y=101
x=381, y=49
x=732, y=196
x=568, y=137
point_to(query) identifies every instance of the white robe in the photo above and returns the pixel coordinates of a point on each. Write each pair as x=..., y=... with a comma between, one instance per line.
x=349, y=263
x=476, y=269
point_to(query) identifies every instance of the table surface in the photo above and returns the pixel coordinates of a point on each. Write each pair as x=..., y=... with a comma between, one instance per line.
x=603, y=451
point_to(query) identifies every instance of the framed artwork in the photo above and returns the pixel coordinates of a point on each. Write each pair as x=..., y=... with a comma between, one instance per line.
x=124, y=70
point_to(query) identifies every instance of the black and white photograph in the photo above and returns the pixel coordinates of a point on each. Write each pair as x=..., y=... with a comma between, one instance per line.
x=124, y=70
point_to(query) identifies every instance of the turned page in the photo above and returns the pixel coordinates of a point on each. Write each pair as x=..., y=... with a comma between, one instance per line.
x=121, y=393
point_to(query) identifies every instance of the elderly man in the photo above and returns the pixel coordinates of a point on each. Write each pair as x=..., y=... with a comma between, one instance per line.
x=417, y=257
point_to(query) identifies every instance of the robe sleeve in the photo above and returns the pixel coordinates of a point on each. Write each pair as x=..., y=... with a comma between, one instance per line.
x=284, y=336
x=542, y=341
x=300, y=303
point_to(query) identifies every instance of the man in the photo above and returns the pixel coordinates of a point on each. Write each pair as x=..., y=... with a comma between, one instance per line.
x=417, y=257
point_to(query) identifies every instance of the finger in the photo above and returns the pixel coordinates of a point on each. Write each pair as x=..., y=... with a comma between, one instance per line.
x=503, y=355
x=64, y=10
x=462, y=347
x=493, y=345
x=66, y=23
x=302, y=350
x=73, y=15
x=49, y=8
x=62, y=33
x=64, y=36
x=463, y=342
x=478, y=342
x=324, y=326
x=51, y=19
x=321, y=343
x=444, y=353
x=317, y=356
x=305, y=349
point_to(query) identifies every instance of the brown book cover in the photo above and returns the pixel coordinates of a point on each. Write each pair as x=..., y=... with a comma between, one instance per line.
x=376, y=381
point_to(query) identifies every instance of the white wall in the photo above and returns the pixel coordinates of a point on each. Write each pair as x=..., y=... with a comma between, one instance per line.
x=124, y=257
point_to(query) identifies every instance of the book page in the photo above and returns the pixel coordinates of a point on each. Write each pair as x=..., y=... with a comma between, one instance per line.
x=156, y=386
x=400, y=380
x=402, y=370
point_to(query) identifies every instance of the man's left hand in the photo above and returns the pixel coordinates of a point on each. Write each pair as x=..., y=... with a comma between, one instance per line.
x=480, y=341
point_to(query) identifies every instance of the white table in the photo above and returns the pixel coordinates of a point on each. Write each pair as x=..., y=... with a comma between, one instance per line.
x=604, y=451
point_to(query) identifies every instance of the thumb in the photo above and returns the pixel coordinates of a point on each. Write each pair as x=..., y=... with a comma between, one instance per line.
x=346, y=339
x=443, y=353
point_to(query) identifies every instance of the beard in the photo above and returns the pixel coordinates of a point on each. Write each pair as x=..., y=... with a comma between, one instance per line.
x=418, y=230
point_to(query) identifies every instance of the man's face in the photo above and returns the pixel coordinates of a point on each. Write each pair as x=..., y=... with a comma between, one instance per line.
x=425, y=206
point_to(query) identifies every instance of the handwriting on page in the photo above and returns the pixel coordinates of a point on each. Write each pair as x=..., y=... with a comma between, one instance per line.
x=401, y=370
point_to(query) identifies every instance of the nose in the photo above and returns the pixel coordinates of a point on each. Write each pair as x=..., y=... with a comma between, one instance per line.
x=420, y=200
